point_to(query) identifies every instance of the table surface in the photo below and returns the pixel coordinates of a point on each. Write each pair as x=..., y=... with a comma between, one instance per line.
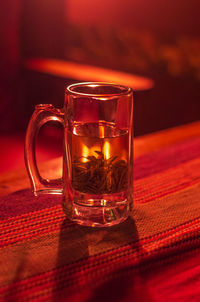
x=153, y=256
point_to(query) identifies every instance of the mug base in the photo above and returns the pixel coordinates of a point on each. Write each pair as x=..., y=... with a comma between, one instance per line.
x=98, y=216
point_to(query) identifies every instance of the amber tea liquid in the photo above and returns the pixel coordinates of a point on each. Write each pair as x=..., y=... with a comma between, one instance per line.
x=97, y=167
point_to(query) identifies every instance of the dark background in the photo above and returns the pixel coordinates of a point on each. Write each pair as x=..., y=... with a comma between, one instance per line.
x=156, y=39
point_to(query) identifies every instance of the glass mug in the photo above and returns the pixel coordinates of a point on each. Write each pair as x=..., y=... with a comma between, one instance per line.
x=97, y=180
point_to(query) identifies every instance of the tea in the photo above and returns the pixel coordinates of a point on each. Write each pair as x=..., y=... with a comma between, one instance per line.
x=99, y=158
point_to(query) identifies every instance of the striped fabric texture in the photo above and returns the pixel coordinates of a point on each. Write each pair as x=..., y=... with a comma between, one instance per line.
x=46, y=257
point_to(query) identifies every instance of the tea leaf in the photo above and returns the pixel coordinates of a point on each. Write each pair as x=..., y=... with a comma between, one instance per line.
x=111, y=159
x=98, y=152
x=99, y=175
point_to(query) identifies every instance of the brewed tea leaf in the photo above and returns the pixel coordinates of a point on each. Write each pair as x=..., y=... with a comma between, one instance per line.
x=99, y=175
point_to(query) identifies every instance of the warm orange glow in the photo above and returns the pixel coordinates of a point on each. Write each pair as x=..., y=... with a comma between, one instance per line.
x=94, y=149
x=81, y=72
x=76, y=211
x=85, y=153
x=101, y=132
x=103, y=202
x=124, y=155
x=106, y=150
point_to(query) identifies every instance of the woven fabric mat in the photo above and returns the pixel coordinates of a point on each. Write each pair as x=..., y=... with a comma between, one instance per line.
x=46, y=257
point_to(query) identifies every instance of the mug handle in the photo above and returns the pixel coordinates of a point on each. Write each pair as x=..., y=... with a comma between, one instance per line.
x=43, y=113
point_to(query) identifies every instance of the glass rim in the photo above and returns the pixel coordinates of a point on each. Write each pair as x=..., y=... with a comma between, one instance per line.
x=123, y=90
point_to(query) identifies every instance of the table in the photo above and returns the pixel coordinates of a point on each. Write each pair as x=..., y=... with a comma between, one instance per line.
x=152, y=256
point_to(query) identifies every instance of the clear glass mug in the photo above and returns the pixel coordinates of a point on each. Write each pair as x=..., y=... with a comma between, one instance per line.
x=97, y=181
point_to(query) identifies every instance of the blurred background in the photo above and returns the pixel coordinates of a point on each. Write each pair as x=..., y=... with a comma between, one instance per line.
x=153, y=40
